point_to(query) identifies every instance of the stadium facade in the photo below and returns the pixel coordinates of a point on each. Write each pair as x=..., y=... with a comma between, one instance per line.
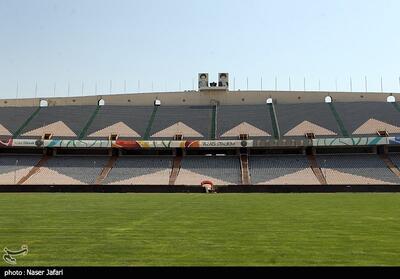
x=181, y=139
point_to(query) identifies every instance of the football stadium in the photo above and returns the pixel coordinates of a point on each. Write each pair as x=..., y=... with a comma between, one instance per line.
x=215, y=135
x=220, y=139
x=319, y=150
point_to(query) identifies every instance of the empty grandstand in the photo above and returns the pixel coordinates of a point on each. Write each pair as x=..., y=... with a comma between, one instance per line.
x=283, y=169
x=356, y=169
x=185, y=138
x=220, y=170
x=140, y=170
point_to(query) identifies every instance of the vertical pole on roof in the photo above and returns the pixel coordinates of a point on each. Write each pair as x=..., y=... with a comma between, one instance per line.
x=17, y=91
x=95, y=88
x=290, y=84
x=336, y=84
x=304, y=83
x=382, y=84
x=82, y=87
x=35, y=89
x=319, y=84
x=35, y=93
x=234, y=83
x=276, y=83
x=180, y=85
x=110, y=86
x=247, y=83
x=152, y=86
x=68, y=89
x=261, y=83
x=351, y=84
x=366, y=83
x=399, y=81
x=124, y=86
x=54, y=89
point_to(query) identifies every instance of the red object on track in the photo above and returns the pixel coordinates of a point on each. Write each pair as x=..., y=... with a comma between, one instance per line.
x=207, y=182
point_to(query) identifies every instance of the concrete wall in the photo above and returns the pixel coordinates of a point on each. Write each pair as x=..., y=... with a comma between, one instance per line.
x=198, y=189
x=204, y=98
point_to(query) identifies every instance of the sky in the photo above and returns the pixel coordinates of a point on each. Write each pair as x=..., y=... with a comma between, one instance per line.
x=60, y=48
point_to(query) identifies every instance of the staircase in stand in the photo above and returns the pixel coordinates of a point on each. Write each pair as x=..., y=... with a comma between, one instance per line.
x=85, y=129
x=176, y=167
x=26, y=123
x=317, y=170
x=397, y=106
x=106, y=170
x=339, y=120
x=34, y=170
x=213, y=132
x=389, y=163
x=150, y=124
x=244, y=169
x=274, y=121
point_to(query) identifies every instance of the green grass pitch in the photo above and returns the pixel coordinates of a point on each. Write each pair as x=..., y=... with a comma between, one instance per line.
x=202, y=230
